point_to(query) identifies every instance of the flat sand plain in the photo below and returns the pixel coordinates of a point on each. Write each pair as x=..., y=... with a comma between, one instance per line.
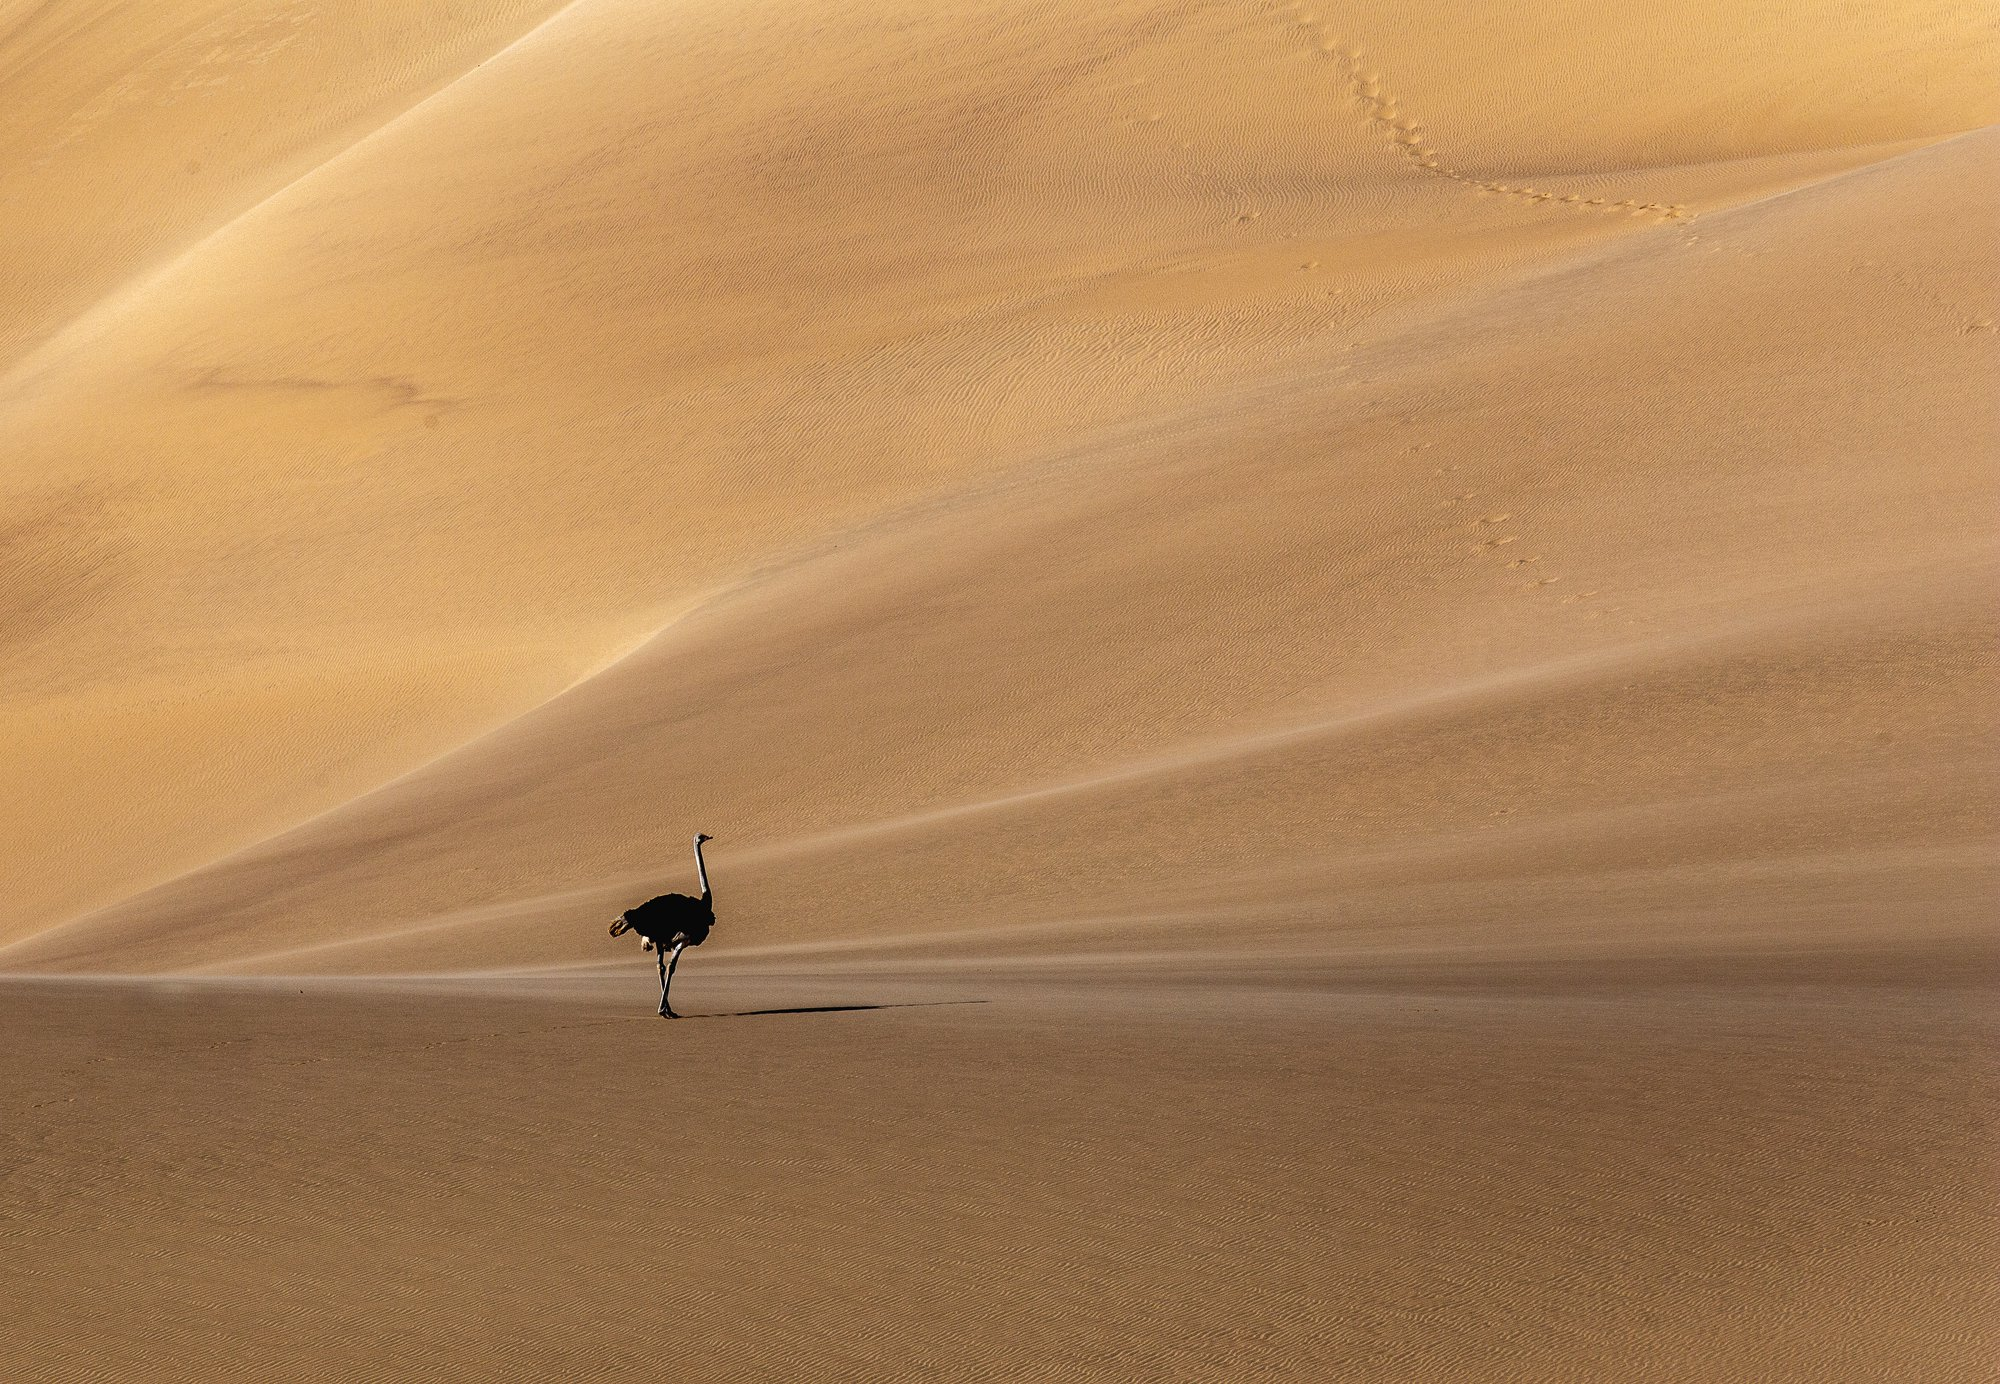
x=1045, y=1173
x=1405, y=596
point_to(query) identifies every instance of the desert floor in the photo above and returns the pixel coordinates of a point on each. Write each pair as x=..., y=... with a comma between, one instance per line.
x=1404, y=595
x=1064, y=1172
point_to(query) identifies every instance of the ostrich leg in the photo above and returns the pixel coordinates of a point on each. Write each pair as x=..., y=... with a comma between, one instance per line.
x=661, y=956
x=672, y=962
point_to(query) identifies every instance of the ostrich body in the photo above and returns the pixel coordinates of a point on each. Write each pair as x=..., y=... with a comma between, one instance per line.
x=671, y=922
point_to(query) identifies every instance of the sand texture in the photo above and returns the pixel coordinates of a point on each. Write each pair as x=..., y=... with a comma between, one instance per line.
x=1224, y=1176
x=1481, y=499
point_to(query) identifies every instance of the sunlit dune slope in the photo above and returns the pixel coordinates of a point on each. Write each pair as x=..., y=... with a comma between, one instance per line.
x=1198, y=475
x=136, y=127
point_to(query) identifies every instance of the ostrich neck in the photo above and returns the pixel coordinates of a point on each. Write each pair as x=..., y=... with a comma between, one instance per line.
x=701, y=869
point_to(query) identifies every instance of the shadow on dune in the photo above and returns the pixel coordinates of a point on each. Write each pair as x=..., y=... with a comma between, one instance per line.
x=832, y=1009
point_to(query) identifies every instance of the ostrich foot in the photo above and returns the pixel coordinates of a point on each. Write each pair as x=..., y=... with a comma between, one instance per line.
x=666, y=1013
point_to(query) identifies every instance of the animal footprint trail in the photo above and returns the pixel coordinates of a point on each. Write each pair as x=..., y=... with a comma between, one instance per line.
x=1490, y=540
x=1384, y=115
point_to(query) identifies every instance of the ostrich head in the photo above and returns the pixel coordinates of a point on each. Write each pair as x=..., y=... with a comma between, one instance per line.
x=622, y=926
x=702, y=836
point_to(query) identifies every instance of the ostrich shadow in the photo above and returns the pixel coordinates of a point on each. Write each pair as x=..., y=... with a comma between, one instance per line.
x=832, y=1009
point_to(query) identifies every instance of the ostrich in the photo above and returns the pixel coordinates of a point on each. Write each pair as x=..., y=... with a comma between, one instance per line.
x=672, y=920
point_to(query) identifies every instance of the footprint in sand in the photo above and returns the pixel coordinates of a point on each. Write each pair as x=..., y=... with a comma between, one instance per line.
x=1382, y=111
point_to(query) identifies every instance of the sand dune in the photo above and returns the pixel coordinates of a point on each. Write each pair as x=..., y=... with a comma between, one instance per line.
x=1241, y=370
x=1389, y=493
